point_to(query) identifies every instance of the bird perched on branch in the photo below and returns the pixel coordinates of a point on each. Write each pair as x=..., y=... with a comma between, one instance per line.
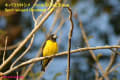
x=50, y=48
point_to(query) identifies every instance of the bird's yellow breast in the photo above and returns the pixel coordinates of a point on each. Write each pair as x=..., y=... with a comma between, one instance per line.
x=50, y=48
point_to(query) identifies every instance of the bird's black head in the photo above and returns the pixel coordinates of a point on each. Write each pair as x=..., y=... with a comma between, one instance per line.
x=52, y=37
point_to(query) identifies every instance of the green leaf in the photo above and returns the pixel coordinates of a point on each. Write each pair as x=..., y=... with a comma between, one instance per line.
x=99, y=55
x=90, y=37
x=57, y=75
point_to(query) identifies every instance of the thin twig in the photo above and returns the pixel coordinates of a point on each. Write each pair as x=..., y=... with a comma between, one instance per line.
x=57, y=16
x=51, y=5
x=6, y=40
x=33, y=11
x=115, y=51
x=43, y=13
x=60, y=37
x=69, y=42
x=112, y=62
x=60, y=25
x=114, y=68
x=113, y=58
x=10, y=47
x=40, y=76
x=96, y=73
x=28, y=37
x=58, y=54
x=17, y=76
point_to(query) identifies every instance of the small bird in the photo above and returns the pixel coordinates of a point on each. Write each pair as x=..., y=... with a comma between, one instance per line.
x=50, y=48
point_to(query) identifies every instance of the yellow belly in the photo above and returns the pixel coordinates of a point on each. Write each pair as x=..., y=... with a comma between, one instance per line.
x=50, y=48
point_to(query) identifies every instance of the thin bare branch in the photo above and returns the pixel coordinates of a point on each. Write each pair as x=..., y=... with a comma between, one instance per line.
x=114, y=68
x=17, y=76
x=10, y=47
x=51, y=5
x=112, y=61
x=57, y=16
x=60, y=37
x=33, y=11
x=60, y=25
x=58, y=54
x=96, y=73
x=43, y=13
x=69, y=42
x=115, y=51
x=40, y=76
x=6, y=40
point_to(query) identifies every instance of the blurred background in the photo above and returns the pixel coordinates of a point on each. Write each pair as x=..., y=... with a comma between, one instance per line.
x=101, y=22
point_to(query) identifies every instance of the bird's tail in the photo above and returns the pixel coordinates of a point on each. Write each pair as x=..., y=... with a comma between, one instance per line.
x=44, y=64
x=43, y=69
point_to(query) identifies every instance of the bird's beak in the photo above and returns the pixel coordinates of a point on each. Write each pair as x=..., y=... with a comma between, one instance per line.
x=55, y=36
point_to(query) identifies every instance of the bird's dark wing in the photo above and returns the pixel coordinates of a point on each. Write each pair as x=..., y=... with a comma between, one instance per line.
x=43, y=45
x=42, y=51
x=46, y=61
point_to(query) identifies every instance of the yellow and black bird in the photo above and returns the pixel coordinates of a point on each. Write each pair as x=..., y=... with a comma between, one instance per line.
x=50, y=48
